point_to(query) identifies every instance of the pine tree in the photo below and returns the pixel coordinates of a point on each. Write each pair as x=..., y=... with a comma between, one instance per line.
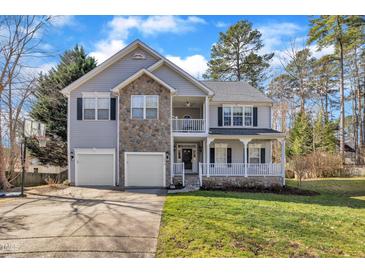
x=337, y=31
x=300, y=138
x=51, y=106
x=323, y=134
x=235, y=56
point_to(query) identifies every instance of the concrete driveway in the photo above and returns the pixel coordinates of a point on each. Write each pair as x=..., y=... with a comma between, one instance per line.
x=81, y=222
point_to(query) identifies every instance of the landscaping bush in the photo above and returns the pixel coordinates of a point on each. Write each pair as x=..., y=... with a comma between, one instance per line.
x=317, y=164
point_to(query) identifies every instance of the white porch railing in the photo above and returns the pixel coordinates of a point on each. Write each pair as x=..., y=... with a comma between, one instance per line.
x=178, y=169
x=188, y=125
x=239, y=169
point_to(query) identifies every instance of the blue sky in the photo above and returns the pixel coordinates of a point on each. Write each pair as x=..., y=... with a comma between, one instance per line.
x=186, y=40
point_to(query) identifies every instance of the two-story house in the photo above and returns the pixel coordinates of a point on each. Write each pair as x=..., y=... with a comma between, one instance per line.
x=138, y=120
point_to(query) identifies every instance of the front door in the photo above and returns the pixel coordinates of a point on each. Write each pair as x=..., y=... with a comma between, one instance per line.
x=187, y=156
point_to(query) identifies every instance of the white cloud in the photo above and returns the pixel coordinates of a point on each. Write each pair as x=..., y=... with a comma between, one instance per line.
x=319, y=53
x=106, y=48
x=221, y=24
x=196, y=65
x=273, y=35
x=63, y=20
x=121, y=26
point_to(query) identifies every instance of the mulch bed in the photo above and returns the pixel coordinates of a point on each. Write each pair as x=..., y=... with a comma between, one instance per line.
x=282, y=190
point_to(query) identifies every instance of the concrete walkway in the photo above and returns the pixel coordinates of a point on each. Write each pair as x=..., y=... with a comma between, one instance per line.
x=81, y=222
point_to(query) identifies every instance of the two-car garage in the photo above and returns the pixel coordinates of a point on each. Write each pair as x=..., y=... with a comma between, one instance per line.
x=97, y=167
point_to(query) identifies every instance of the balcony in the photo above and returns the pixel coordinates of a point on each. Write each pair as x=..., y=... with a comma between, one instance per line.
x=188, y=125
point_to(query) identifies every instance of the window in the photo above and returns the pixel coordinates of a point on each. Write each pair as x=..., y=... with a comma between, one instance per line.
x=137, y=106
x=254, y=155
x=248, y=116
x=227, y=116
x=89, y=108
x=220, y=153
x=144, y=106
x=96, y=108
x=238, y=116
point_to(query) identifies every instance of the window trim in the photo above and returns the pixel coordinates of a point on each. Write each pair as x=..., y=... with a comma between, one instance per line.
x=243, y=115
x=96, y=107
x=145, y=107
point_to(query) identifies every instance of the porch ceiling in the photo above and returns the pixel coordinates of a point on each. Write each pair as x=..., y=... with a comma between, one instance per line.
x=251, y=132
x=180, y=101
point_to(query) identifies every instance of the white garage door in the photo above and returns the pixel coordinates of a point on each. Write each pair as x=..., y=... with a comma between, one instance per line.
x=145, y=169
x=94, y=169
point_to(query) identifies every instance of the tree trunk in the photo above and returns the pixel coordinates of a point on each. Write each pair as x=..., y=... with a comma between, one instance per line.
x=342, y=105
x=355, y=126
x=326, y=116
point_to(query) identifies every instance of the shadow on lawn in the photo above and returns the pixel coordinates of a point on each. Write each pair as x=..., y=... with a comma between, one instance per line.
x=322, y=199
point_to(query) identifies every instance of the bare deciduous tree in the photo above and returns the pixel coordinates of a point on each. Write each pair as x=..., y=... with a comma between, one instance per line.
x=19, y=41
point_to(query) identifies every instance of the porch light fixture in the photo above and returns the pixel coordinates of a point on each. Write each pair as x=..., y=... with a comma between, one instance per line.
x=188, y=104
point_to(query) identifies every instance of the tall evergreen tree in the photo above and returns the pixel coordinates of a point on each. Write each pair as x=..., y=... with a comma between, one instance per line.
x=337, y=31
x=323, y=134
x=51, y=106
x=235, y=56
x=300, y=138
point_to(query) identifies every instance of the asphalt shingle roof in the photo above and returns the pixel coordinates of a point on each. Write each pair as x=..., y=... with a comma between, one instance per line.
x=235, y=91
x=243, y=131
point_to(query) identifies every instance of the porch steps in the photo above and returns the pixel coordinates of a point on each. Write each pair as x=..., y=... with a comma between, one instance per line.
x=191, y=184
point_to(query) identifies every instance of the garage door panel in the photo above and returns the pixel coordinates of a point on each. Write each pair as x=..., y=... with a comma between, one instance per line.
x=145, y=170
x=95, y=169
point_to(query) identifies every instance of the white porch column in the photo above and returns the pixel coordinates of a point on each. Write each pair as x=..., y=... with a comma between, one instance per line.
x=204, y=152
x=209, y=140
x=283, y=160
x=245, y=142
x=206, y=118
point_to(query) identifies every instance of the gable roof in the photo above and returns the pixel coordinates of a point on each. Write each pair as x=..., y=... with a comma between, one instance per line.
x=236, y=91
x=139, y=74
x=186, y=75
x=123, y=52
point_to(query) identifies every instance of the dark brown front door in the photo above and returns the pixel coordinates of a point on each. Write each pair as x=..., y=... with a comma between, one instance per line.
x=187, y=157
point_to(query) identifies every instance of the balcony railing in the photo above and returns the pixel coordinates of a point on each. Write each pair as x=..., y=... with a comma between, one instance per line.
x=178, y=169
x=239, y=169
x=188, y=125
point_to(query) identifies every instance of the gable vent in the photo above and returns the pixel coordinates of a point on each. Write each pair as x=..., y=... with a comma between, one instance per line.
x=139, y=56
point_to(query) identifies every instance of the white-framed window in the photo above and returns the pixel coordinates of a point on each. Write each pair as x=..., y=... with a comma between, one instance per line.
x=248, y=116
x=254, y=154
x=96, y=108
x=237, y=116
x=220, y=153
x=227, y=116
x=144, y=107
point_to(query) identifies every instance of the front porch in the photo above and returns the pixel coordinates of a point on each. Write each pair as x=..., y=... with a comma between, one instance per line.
x=228, y=156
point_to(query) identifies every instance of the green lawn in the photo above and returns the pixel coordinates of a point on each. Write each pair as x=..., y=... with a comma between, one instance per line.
x=228, y=224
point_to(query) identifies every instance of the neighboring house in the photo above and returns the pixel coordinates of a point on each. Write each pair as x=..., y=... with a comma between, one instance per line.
x=138, y=120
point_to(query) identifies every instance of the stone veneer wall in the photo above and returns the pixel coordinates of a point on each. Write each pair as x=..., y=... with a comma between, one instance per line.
x=145, y=135
x=242, y=182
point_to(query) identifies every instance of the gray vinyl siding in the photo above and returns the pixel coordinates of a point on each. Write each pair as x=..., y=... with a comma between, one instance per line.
x=117, y=72
x=263, y=116
x=183, y=86
x=237, y=149
x=102, y=134
x=89, y=134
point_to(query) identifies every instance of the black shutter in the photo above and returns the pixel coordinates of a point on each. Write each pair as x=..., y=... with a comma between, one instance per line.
x=212, y=155
x=262, y=155
x=255, y=116
x=220, y=116
x=229, y=155
x=79, y=108
x=244, y=155
x=113, y=108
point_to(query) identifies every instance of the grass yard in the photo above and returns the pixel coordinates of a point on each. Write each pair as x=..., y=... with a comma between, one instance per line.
x=229, y=224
